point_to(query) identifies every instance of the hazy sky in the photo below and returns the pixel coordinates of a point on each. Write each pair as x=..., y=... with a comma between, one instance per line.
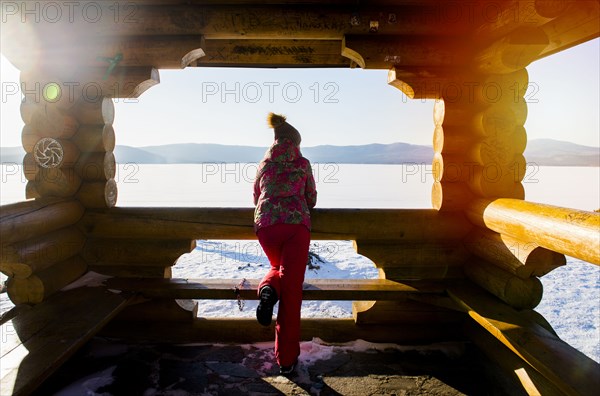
x=328, y=106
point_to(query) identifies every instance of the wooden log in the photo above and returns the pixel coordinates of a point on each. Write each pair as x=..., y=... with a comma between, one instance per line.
x=57, y=182
x=455, y=86
x=314, y=289
x=413, y=261
x=272, y=53
x=403, y=312
x=29, y=138
x=433, y=271
x=51, y=121
x=495, y=180
x=55, y=153
x=26, y=220
x=98, y=195
x=69, y=86
x=168, y=52
x=129, y=271
x=516, y=292
x=519, y=372
x=123, y=82
x=31, y=191
x=95, y=138
x=43, y=87
x=96, y=166
x=236, y=223
x=219, y=330
x=418, y=83
x=95, y=112
x=498, y=119
x=384, y=52
x=37, y=287
x=500, y=19
x=455, y=139
x=225, y=21
x=149, y=252
x=27, y=109
x=568, y=369
x=567, y=231
x=42, y=252
x=512, y=52
x=30, y=167
x=450, y=196
x=575, y=26
x=522, y=258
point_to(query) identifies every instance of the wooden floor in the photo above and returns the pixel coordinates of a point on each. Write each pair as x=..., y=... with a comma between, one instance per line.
x=37, y=341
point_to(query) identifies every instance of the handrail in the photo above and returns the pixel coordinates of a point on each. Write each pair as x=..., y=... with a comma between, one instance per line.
x=572, y=232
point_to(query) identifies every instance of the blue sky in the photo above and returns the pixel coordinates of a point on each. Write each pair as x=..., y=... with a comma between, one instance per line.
x=328, y=106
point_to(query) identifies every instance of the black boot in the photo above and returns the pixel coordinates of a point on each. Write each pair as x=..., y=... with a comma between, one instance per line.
x=268, y=299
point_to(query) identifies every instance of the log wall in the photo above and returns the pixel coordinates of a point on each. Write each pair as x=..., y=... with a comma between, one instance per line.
x=40, y=247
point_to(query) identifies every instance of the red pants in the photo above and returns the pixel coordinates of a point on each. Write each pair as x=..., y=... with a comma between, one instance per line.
x=286, y=246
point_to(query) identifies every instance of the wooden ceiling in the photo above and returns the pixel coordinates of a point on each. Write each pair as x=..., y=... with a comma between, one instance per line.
x=406, y=34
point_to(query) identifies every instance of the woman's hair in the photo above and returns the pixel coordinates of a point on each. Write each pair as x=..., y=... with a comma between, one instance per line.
x=275, y=120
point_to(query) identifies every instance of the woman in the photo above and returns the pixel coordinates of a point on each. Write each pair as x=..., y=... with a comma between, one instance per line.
x=284, y=191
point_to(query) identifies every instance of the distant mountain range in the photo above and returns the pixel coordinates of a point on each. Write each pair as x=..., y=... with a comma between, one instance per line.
x=545, y=152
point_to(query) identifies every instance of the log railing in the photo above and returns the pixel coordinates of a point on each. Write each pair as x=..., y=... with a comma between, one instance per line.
x=568, y=231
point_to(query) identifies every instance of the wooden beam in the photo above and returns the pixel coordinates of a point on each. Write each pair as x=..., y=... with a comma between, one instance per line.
x=577, y=25
x=314, y=289
x=39, y=286
x=405, y=261
x=166, y=52
x=423, y=225
x=517, y=292
x=522, y=258
x=568, y=231
x=25, y=220
x=272, y=53
x=149, y=252
x=39, y=253
x=384, y=52
x=520, y=374
x=38, y=341
x=275, y=21
x=498, y=19
x=568, y=369
x=512, y=52
x=215, y=330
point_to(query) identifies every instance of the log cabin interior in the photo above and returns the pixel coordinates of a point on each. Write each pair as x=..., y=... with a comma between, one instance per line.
x=466, y=269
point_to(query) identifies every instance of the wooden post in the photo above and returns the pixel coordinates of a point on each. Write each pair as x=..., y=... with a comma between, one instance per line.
x=101, y=194
x=95, y=138
x=96, y=166
x=96, y=112
x=512, y=52
x=57, y=182
x=479, y=140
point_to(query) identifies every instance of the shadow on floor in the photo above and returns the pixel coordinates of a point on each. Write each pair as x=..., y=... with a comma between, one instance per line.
x=103, y=367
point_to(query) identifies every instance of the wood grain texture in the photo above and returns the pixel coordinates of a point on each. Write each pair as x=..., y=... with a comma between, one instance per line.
x=568, y=231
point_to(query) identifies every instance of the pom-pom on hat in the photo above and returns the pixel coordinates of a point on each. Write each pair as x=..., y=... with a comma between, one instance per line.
x=283, y=129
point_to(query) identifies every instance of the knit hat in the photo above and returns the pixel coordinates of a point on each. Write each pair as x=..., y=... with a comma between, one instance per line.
x=283, y=129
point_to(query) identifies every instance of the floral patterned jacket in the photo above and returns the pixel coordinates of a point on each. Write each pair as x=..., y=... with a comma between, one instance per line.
x=284, y=188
